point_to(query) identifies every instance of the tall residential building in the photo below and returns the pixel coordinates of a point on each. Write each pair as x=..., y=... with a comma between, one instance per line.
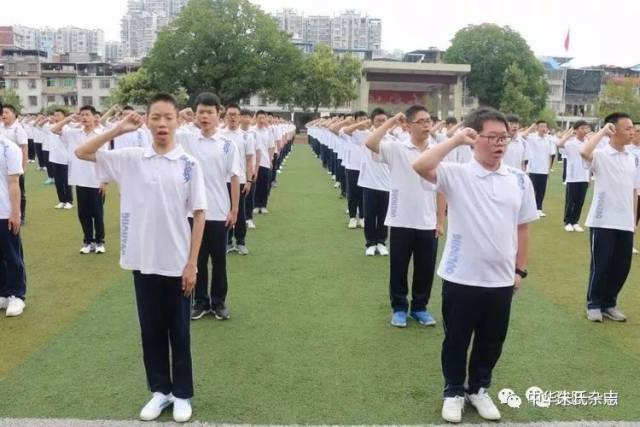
x=53, y=40
x=142, y=22
x=113, y=52
x=293, y=23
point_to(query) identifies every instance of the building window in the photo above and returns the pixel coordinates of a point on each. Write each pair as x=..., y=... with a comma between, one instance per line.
x=69, y=83
x=14, y=84
x=33, y=68
x=31, y=84
x=87, y=84
x=105, y=84
x=104, y=101
x=51, y=99
x=87, y=100
x=33, y=101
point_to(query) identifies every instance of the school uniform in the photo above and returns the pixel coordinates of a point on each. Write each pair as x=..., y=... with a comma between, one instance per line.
x=249, y=201
x=17, y=134
x=539, y=152
x=264, y=142
x=611, y=221
x=577, y=179
x=13, y=280
x=157, y=192
x=478, y=266
x=220, y=155
x=516, y=153
x=59, y=162
x=352, y=170
x=412, y=218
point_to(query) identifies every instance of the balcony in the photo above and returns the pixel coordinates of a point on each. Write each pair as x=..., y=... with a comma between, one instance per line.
x=63, y=72
x=59, y=90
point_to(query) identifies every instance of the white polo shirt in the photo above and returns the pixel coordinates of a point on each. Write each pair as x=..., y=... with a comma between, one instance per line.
x=515, y=153
x=58, y=151
x=484, y=211
x=220, y=157
x=373, y=175
x=412, y=200
x=157, y=193
x=264, y=142
x=137, y=138
x=539, y=151
x=246, y=148
x=14, y=133
x=81, y=172
x=617, y=175
x=577, y=171
x=10, y=164
x=452, y=155
x=354, y=158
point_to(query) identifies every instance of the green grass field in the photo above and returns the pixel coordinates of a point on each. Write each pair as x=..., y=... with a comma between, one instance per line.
x=309, y=340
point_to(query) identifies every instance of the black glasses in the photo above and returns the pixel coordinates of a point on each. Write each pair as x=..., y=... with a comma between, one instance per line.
x=496, y=139
x=422, y=122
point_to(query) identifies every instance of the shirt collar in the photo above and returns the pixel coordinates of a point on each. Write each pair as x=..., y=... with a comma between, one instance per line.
x=174, y=154
x=479, y=170
x=610, y=150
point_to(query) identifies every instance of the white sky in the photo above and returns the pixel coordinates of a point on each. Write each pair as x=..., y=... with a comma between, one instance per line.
x=602, y=31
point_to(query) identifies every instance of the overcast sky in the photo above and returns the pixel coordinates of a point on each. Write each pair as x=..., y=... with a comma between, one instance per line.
x=602, y=31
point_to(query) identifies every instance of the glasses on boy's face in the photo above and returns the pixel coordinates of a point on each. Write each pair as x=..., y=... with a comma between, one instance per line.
x=422, y=122
x=496, y=139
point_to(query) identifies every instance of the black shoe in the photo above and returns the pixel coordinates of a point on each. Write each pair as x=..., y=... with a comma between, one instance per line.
x=198, y=312
x=221, y=313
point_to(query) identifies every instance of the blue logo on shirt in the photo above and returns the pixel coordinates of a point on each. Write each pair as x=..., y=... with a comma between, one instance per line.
x=226, y=147
x=454, y=254
x=124, y=232
x=599, y=205
x=188, y=168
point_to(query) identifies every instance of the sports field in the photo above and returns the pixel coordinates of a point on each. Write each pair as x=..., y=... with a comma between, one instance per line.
x=309, y=341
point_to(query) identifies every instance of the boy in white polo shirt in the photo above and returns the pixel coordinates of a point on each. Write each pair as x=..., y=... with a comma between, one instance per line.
x=539, y=152
x=90, y=192
x=59, y=162
x=160, y=185
x=252, y=174
x=13, y=131
x=516, y=153
x=220, y=159
x=489, y=208
x=611, y=217
x=414, y=223
x=265, y=144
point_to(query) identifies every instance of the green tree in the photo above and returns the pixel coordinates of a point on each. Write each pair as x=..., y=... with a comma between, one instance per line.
x=619, y=97
x=513, y=99
x=230, y=47
x=134, y=88
x=53, y=107
x=11, y=97
x=491, y=50
x=347, y=82
x=549, y=116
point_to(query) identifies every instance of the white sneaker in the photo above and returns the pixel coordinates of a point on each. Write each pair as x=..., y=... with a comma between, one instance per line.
x=485, y=406
x=256, y=210
x=541, y=214
x=452, y=409
x=86, y=249
x=264, y=210
x=353, y=223
x=251, y=224
x=100, y=249
x=242, y=250
x=568, y=227
x=155, y=406
x=635, y=251
x=15, y=307
x=371, y=251
x=336, y=185
x=59, y=206
x=4, y=303
x=181, y=410
x=361, y=223
x=382, y=249
x=333, y=177
x=576, y=227
x=279, y=171
x=68, y=206
x=610, y=313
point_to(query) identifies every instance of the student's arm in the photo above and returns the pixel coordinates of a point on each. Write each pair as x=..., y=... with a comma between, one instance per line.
x=437, y=128
x=57, y=128
x=586, y=151
x=528, y=130
x=191, y=269
x=523, y=252
x=107, y=115
x=566, y=136
x=441, y=209
x=373, y=141
x=232, y=216
x=454, y=129
x=363, y=125
x=428, y=162
x=249, y=173
x=88, y=150
x=14, y=198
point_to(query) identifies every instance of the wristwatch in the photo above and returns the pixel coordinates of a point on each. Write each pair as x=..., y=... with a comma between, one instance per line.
x=522, y=273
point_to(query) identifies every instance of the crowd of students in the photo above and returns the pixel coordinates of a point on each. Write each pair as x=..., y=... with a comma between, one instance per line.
x=488, y=177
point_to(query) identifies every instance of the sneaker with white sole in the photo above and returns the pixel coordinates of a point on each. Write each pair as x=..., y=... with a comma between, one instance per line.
x=635, y=251
x=181, y=410
x=155, y=406
x=484, y=405
x=568, y=227
x=452, y=409
x=611, y=313
x=370, y=251
x=242, y=250
x=399, y=319
x=264, y=211
x=15, y=307
x=576, y=227
x=4, y=303
x=100, y=249
x=594, y=314
x=382, y=249
x=59, y=206
x=231, y=248
x=251, y=224
x=86, y=249
x=541, y=214
x=361, y=223
x=353, y=223
x=256, y=210
x=68, y=206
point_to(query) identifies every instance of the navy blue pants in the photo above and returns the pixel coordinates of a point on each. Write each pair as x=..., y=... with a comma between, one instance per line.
x=263, y=185
x=354, y=194
x=539, y=182
x=481, y=313
x=91, y=214
x=240, y=229
x=61, y=178
x=376, y=203
x=13, y=280
x=164, y=313
x=214, y=247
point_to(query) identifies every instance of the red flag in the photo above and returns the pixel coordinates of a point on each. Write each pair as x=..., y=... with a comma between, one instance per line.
x=566, y=42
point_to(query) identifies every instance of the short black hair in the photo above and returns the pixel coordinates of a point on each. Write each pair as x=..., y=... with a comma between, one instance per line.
x=259, y=112
x=60, y=110
x=479, y=116
x=127, y=108
x=245, y=112
x=542, y=121
x=10, y=107
x=270, y=114
x=615, y=117
x=513, y=118
x=232, y=105
x=162, y=97
x=208, y=99
x=359, y=114
x=579, y=123
x=97, y=113
x=411, y=112
x=88, y=108
x=377, y=112
x=451, y=121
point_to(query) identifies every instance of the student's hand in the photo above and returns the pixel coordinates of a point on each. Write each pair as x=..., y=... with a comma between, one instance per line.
x=232, y=218
x=439, y=230
x=516, y=283
x=609, y=129
x=103, y=189
x=399, y=119
x=14, y=223
x=365, y=124
x=531, y=128
x=247, y=188
x=189, y=279
x=466, y=136
x=131, y=122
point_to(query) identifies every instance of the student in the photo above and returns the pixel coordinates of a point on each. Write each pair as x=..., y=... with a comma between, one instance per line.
x=13, y=131
x=159, y=186
x=484, y=257
x=90, y=191
x=245, y=124
x=221, y=158
x=138, y=138
x=516, y=152
x=58, y=161
x=612, y=214
x=265, y=144
x=247, y=152
x=577, y=177
x=354, y=162
x=414, y=223
x=634, y=148
x=539, y=152
x=13, y=286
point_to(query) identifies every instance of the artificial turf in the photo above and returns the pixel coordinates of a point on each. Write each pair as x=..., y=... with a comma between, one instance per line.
x=309, y=341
